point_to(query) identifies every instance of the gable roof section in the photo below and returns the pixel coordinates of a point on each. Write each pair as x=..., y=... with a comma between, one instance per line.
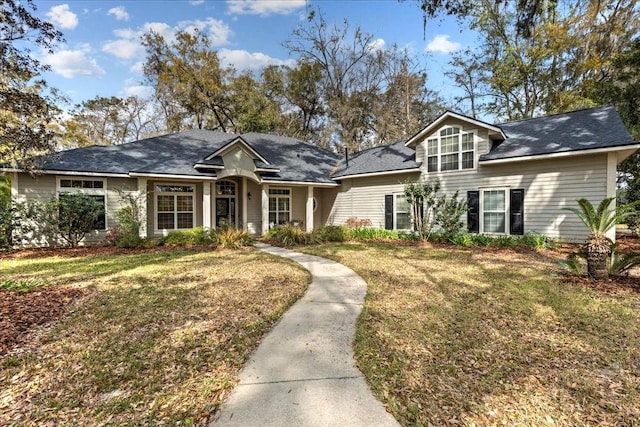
x=296, y=160
x=243, y=144
x=383, y=159
x=569, y=133
x=434, y=125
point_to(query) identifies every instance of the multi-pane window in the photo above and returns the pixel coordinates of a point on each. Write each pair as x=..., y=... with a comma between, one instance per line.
x=494, y=211
x=174, y=206
x=451, y=150
x=82, y=183
x=402, y=212
x=279, y=206
x=225, y=188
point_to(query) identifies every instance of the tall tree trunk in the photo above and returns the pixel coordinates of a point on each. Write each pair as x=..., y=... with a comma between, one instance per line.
x=597, y=265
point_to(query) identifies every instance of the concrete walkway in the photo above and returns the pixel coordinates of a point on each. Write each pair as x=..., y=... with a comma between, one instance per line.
x=303, y=372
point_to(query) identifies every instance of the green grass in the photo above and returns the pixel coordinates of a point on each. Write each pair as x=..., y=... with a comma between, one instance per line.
x=158, y=341
x=454, y=335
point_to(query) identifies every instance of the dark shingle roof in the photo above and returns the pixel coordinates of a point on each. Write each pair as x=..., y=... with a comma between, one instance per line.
x=386, y=158
x=176, y=154
x=576, y=131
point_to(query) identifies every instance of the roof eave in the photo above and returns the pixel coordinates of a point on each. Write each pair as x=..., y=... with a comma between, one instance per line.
x=378, y=173
x=630, y=147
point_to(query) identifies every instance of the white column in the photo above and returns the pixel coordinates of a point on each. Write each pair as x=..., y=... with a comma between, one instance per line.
x=14, y=187
x=245, y=203
x=612, y=165
x=265, y=208
x=206, y=205
x=142, y=205
x=309, y=219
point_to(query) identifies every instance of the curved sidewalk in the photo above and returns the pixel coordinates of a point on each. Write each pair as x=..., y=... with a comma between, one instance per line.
x=303, y=372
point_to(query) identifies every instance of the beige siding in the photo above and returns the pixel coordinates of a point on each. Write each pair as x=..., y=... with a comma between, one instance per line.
x=151, y=204
x=254, y=208
x=364, y=198
x=550, y=186
x=41, y=188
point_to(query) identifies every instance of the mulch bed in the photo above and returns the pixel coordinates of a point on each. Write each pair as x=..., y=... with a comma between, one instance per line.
x=20, y=313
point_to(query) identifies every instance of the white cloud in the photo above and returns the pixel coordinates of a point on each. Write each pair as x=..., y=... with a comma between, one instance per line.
x=63, y=17
x=119, y=12
x=442, y=44
x=73, y=63
x=137, y=68
x=196, y=2
x=124, y=48
x=243, y=60
x=377, y=44
x=217, y=31
x=161, y=28
x=140, y=91
x=264, y=7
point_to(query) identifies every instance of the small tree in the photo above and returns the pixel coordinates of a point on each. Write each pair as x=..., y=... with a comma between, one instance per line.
x=599, y=221
x=77, y=216
x=448, y=216
x=428, y=210
x=130, y=219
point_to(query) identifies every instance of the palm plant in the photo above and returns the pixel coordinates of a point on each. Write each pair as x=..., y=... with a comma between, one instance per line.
x=598, y=221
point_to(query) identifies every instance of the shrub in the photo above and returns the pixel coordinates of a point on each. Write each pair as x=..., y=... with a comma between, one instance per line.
x=448, y=216
x=481, y=240
x=462, y=239
x=618, y=264
x=536, y=240
x=77, y=216
x=6, y=213
x=573, y=263
x=373, y=233
x=331, y=233
x=289, y=235
x=229, y=238
x=196, y=237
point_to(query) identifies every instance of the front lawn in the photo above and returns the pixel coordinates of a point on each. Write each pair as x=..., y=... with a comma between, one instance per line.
x=486, y=337
x=153, y=338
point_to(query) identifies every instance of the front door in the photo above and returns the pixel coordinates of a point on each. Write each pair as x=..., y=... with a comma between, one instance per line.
x=225, y=212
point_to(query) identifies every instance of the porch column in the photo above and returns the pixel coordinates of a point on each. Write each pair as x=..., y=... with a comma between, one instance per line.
x=143, y=194
x=14, y=187
x=309, y=219
x=265, y=208
x=206, y=205
x=245, y=202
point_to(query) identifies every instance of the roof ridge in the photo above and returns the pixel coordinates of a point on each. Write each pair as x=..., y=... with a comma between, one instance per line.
x=373, y=148
x=555, y=114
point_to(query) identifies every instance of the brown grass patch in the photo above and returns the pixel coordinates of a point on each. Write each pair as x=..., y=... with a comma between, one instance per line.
x=159, y=341
x=474, y=337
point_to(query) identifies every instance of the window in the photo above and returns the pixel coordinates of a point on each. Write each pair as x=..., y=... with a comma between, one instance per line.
x=402, y=213
x=491, y=211
x=174, y=206
x=451, y=150
x=397, y=212
x=225, y=188
x=279, y=206
x=494, y=211
x=95, y=188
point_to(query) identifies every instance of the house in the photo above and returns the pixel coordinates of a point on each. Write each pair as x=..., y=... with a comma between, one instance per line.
x=516, y=177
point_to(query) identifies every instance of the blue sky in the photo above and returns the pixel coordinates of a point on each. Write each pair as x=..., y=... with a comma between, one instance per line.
x=102, y=54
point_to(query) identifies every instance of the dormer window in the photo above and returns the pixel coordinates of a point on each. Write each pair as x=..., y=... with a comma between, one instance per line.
x=450, y=150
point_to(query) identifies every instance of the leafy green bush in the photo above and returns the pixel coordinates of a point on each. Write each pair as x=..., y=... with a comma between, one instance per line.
x=618, y=264
x=77, y=216
x=331, y=233
x=408, y=236
x=196, y=237
x=229, y=238
x=536, y=240
x=22, y=286
x=6, y=213
x=481, y=240
x=462, y=239
x=372, y=233
x=289, y=235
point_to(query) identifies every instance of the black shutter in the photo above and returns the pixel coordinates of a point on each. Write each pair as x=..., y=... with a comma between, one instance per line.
x=473, y=211
x=388, y=211
x=516, y=216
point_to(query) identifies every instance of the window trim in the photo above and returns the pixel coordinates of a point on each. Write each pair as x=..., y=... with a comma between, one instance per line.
x=234, y=197
x=89, y=191
x=277, y=196
x=395, y=213
x=436, y=136
x=175, y=212
x=507, y=210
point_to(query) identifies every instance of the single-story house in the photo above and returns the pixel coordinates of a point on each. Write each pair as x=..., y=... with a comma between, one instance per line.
x=516, y=177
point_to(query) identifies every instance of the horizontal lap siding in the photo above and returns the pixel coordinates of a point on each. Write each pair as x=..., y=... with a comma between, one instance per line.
x=550, y=186
x=41, y=188
x=254, y=208
x=364, y=198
